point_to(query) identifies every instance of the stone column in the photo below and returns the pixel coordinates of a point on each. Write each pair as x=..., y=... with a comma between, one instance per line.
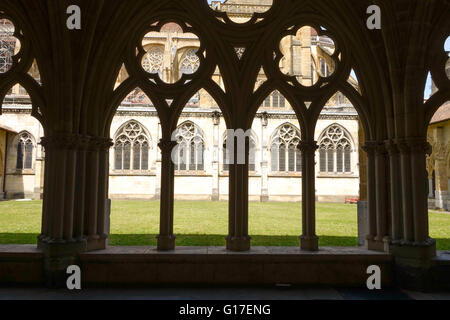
x=264, y=159
x=158, y=167
x=38, y=173
x=74, y=186
x=370, y=147
x=430, y=188
x=215, y=196
x=395, y=192
x=309, y=240
x=441, y=195
x=238, y=238
x=405, y=163
x=415, y=252
x=419, y=147
x=166, y=238
x=382, y=236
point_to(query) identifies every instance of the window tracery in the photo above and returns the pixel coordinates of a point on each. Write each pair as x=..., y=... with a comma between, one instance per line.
x=7, y=45
x=189, y=153
x=285, y=154
x=153, y=60
x=131, y=150
x=25, y=148
x=335, y=151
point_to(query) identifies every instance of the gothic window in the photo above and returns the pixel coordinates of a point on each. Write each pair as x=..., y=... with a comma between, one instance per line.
x=131, y=148
x=275, y=100
x=323, y=67
x=153, y=61
x=137, y=97
x=267, y=102
x=251, y=155
x=335, y=151
x=189, y=153
x=285, y=154
x=24, y=151
x=7, y=45
x=190, y=62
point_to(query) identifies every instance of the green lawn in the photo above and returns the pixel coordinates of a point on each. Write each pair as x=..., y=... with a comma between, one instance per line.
x=205, y=223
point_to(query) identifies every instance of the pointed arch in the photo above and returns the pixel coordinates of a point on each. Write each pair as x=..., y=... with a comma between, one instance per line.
x=285, y=155
x=132, y=143
x=25, y=145
x=335, y=147
x=189, y=155
x=253, y=149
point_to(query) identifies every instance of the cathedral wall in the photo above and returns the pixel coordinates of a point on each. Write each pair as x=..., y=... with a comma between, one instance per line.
x=196, y=185
x=21, y=183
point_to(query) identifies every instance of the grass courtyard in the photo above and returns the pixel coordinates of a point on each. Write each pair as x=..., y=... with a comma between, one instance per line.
x=205, y=223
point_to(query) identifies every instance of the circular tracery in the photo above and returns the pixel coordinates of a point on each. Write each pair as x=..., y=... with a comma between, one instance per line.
x=9, y=45
x=308, y=55
x=170, y=53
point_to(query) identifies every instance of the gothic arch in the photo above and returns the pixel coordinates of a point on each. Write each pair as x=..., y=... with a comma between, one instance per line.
x=284, y=147
x=24, y=148
x=132, y=143
x=335, y=150
x=190, y=149
x=347, y=134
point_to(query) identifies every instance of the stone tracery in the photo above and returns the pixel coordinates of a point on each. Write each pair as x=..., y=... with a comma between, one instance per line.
x=388, y=104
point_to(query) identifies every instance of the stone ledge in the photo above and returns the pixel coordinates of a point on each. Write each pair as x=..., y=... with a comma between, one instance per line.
x=344, y=266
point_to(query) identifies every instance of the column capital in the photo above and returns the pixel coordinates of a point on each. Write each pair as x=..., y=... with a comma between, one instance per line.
x=167, y=145
x=306, y=146
x=216, y=117
x=391, y=147
x=370, y=146
x=414, y=144
x=70, y=141
x=381, y=149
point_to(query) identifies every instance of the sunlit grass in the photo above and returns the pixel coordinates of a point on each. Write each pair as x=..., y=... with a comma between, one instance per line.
x=206, y=223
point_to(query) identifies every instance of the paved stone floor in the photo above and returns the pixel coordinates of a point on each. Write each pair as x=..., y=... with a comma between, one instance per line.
x=288, y=293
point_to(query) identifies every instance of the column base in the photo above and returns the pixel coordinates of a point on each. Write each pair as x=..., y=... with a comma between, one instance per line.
x=238, y=243
x=377, y=245
x=97, y=243
x=362, y=221
x=166, y=243
x=415, y=254
x=215, y=195
x=309, y=243
x=414, y=264
x=264, y=198
x=58, y=256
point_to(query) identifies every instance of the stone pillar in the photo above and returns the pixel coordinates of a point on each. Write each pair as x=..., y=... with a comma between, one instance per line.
x=309, y=240
x=382, y=235
x=264, y=159
x=166, y=238
x=38, y=171
x=215, y=195
x=75, y=185
x=395, y=192
x=370, y=147
x=405, y=163
x=419, y=147
x=362, y=203
x=430, y=188
x=441, y=195
x=414, y=254
x=238, y=238
x=158, y=167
